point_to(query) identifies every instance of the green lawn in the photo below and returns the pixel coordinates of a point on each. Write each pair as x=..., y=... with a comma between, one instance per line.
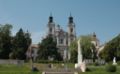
x=94, y=69
x=101, y=70
x=14, y=69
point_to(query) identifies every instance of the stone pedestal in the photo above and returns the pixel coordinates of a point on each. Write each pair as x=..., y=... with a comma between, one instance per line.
x=81, y=66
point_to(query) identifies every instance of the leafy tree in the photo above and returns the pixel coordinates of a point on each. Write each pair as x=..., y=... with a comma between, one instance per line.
x=88, y=49
x=47, y=48
x=73, y=51
x=21, y=43
x=5, y=41
x=111, y=49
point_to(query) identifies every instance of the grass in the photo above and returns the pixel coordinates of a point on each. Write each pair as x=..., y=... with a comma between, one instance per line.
x=15, y=69
x=100, y=70
x=25, y=69
x=94, y=69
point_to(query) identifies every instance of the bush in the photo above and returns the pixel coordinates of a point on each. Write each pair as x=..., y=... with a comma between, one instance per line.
x=111, y=68
x=88, y=69
x=96, y=64
x=34, y=69
x=48, y=61
x=118, y=62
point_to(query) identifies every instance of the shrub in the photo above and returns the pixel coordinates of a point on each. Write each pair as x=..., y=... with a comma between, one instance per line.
x=34, y=69
x=111, y=68
x=96, y=64
x=88, y=69
x=48, y=61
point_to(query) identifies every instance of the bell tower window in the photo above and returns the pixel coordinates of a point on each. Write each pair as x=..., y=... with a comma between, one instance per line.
x=71, y=39
x=50, y=29
x=61, y=41
x=71, y=30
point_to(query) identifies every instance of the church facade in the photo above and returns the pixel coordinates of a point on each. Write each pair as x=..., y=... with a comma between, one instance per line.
x=62, y=37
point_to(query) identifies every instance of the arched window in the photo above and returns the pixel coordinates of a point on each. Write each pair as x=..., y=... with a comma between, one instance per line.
x=61, y=41
x=71, y=30
x=50, y=29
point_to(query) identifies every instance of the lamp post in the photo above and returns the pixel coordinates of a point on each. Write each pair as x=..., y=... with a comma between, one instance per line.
x=31, y=59
x=65, y=59
x=30, y=56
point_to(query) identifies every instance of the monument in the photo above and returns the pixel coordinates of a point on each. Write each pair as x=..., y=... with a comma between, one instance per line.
x=114, y=61
x=81, y=64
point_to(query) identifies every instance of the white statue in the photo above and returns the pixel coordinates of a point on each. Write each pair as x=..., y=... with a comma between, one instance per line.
x=114, y=61
x=81, y=64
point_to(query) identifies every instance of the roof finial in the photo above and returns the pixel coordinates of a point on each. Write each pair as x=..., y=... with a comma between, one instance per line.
x=50, y=18
x=70, y=18
x=94, y=34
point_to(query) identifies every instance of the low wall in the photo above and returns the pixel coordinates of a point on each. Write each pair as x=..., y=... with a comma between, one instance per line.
x=17, y=62
x=90, y=61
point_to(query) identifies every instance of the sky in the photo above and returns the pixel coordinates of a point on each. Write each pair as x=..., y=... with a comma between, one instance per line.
x=99, y=16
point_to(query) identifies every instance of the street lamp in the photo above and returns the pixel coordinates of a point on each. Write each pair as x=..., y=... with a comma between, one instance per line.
x=30, y=56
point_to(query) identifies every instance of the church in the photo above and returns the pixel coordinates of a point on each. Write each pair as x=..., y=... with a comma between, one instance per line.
x=63, y=38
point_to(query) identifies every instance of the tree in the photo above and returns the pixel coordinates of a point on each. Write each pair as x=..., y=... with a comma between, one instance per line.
x=111, y=49
x=88, y=49
x=5, y=41
x=48, y=48
x=21, y=42
x=73, y=50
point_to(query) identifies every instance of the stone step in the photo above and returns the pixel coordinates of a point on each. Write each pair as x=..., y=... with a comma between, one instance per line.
x=58, y=70
x=58, y=73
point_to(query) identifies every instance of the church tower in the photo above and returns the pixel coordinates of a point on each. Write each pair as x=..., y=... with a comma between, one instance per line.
x=71, y=30
x=51, y=26
x=95, y=41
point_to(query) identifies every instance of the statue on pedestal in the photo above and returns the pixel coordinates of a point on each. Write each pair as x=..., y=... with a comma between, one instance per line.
x=114, y=61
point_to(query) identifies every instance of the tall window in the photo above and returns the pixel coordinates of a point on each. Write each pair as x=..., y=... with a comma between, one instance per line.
x=71, y=30
x=71, y=39
x=61, y=41
x=66, y=42
x=50, y=29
